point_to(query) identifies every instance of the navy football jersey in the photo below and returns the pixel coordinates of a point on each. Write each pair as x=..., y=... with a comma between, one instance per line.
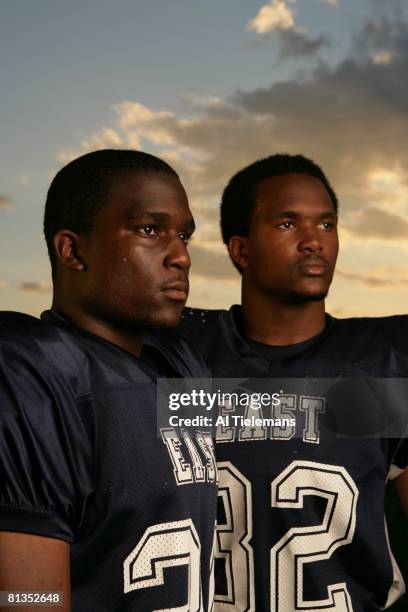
x=82, y=460
x=301, y=501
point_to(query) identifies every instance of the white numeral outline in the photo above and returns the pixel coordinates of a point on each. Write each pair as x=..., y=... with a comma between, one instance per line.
x=301, y=545
x=178, y=544
x=289, y=555
x=233, y=540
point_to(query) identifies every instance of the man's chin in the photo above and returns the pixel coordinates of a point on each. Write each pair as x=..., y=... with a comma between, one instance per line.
x=302, y=297
x=162, y=320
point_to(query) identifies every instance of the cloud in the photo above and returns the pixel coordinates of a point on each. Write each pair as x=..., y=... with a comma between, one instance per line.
x=6, y=202
x=273, y=16
x=23, y=179
x=381, y=277
x=205, y=259
x=36, y=286
x=377, y=223
x=378, y=39
x=141, y=121
x=352, y=118
x=208, y=104
x=296, y=43
x=382, y=57
x=133, y=114
x=105, y=138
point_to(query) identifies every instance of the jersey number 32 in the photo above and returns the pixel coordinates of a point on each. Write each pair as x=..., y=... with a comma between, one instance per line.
x=298, y=546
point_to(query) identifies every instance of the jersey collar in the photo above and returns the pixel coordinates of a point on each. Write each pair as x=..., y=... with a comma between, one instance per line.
x=236, y=342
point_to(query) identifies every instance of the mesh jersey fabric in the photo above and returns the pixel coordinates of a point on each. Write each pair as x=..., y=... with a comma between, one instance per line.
x=82, y=461
x=301, y=509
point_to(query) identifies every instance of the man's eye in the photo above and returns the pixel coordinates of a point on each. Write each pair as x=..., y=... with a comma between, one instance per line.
x=185, y=237
x=286, y=224
x=327, y=225
x=149, y=229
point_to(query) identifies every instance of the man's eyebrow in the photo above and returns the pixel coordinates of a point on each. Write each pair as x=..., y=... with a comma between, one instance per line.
x=159, y=216
x=151, y=215
x=291, y=214
x=329, y=214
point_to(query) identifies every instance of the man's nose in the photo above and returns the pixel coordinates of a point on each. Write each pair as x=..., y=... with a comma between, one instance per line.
x=310, y=241
x=177, y=255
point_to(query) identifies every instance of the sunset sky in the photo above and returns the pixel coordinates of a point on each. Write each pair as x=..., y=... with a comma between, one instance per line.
x=211, y=86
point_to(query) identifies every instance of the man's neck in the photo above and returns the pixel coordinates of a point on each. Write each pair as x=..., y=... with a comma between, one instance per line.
x=130, y=341
x=272, y=322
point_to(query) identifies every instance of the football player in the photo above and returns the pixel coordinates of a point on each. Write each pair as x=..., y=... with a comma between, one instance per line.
x=88, y=492
x=301, y=514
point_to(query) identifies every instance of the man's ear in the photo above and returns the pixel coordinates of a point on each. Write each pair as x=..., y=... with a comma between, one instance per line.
x=67, y=248
x=238, y=249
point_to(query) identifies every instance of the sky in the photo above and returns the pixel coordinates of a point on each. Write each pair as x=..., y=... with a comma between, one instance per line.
x=210, y=87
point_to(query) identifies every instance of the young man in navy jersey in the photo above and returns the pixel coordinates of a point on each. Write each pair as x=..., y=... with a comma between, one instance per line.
x=301, y=499
x=89, y=493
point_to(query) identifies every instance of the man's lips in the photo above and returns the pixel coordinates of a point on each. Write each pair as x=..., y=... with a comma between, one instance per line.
x=313, y=266
x=176, y=291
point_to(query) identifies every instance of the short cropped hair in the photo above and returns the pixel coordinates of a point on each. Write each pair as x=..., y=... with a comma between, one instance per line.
x=82, y=188
x=238, y=200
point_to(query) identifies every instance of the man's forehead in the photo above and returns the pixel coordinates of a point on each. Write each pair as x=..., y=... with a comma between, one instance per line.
x=288, y=182
x=278, y=191
x=138, y=192
x=131, y=183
